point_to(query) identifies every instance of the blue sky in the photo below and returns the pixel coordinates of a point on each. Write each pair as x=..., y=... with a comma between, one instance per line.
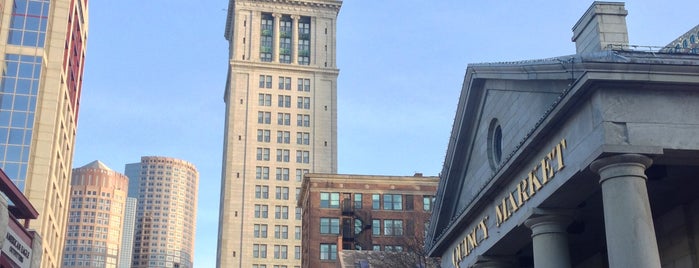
x=155, y=74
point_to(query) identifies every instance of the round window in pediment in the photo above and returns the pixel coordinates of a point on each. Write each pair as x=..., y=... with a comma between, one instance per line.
x=494, y=144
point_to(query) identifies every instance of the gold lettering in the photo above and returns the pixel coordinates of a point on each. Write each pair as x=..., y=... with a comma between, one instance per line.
x=534, y=183
x=513, y=204
x=522, y=195
x=472, y=243
x=454, y=258
x=559, y=154
x=546, y=170
x=484, y=228
x=501, y=212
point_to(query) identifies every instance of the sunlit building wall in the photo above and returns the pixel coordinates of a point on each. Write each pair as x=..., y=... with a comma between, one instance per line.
x=126, y=251
x=42, y=47
x=166, y=213
x=94, y=232
x=281, y=122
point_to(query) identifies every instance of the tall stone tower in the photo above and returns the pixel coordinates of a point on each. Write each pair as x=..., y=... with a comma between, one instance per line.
x=42, y=47
x=281, y=122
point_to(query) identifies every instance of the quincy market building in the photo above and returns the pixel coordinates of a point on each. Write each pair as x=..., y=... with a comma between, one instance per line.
x=588, y=160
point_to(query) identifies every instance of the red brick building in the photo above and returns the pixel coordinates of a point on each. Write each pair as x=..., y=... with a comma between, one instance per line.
x=19, y=246
x=362, y=212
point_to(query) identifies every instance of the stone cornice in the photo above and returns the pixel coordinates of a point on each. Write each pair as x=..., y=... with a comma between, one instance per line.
x=235, y=64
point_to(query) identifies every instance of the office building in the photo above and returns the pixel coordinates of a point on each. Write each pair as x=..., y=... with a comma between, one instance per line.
x=280, y=123
x=42, y=44
x=343, y=214
x=166, y=213
x=585, y=160
x=94, y=230
x=127, y=234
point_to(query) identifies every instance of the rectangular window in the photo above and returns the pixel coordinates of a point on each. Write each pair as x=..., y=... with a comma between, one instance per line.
x=300, y=173
x=283, y=155
x=262, y=154
x=409, y=202
x=303, y=103
x=303, y=156
x=299, y=213
x=262, y=173
x=392, y=202
x=357, y=201
x=376, y=227
x=261, y=211
x=297, y=232
x=264, y=99
x=263, y=135
x=393, y=227
x=284, y=101
x=328, y=251
x=282, y=174
x=329, y=200
x=281, y=212
x=375, y=201
x=329, y=226
x=264, y=118
x=266, y=38
x=427, y=202
x=304, y=85
x=282, y=193
x=266, y=80
x=260, y=230
x=303, y=120
x=376, y=247
x=297, y=252
x=283, y=119
x=259, y=251
x=285, y=83
x=261, y=191
x=283, y=137
x=281, y=231
x=304, y=41
x=303, y=138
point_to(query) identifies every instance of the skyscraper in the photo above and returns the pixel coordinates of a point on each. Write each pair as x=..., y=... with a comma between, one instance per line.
x=42, y=44
x=166, y=213
x=97, y=202
x=281, y=122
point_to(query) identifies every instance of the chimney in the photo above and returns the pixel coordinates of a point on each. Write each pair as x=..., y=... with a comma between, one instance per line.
x=602, y=24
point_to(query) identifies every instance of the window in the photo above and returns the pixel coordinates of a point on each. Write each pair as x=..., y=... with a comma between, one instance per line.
x=282, y=174
x=303, y=120
x=263, y=135
x=283, y=137
x=376, y=247
x=357, y=201
x=282, y=193
x=297, y=232
x=392, y=202
x=299, y=174
x=281, y=231
x=283, y=119
x=280, y=251
x=284, y=101
x=261, y=192
x=298, y=193
x=266, y=80
x=375, y=201
x=303, y=103
x=260, y=230
x=304, y=40
x=262, y=173
x=266, y=38
x=264, y=99
x=328, y=251
x=263, y=154
x=329, y=226
x=297, y=252
x=259, y=251
x=285, y=83
x=299, y=212
x=427, y=202
x=283, y=155
x=376, y=227
x=304, y=85
x=264, y=118
x=285, y=39
x=393, y=227
x=358, y=226
x=329, y=200
x=261, y=211
x=302, y=156
x=303, y=138
x=281, y=212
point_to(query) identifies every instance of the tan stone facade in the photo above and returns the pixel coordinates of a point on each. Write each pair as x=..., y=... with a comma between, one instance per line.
x=49, y=54
x=363, y=212
x=94, y=231
x=166, y=213
x=281, y=122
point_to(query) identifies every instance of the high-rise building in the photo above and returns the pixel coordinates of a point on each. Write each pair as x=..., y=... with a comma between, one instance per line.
x=97, y=202
x=281, y=121
x=42, y=45
x=166, y=213
x=127, y=234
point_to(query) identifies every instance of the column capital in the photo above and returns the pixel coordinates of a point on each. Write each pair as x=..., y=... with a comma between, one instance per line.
x=625, y=165
x=548, y=224
x=276, y=15
x=295, y=17
x=494, y=262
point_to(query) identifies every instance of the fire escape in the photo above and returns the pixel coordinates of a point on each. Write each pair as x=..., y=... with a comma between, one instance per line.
x=356, y=227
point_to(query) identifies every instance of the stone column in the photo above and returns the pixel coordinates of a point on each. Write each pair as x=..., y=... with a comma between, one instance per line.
x=550, y=240
x=295, y=39
x=494, y=262
x=628, y=220
x=275, y=37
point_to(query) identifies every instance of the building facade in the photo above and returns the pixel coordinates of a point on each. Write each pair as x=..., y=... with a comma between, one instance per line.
x=42, y=44
x=348, y=213
x=21, y=247
x=586, y=160
x=126, y=250
x=281, y=121
x=95, y=221
x=166, y=213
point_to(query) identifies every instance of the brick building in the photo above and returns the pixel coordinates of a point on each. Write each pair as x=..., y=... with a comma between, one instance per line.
x=361, y=212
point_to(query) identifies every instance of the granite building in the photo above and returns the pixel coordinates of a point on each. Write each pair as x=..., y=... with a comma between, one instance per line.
x=586, y=160
x=42, y=45
x=280, y=123
x=350, y=213
x=94, y=231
